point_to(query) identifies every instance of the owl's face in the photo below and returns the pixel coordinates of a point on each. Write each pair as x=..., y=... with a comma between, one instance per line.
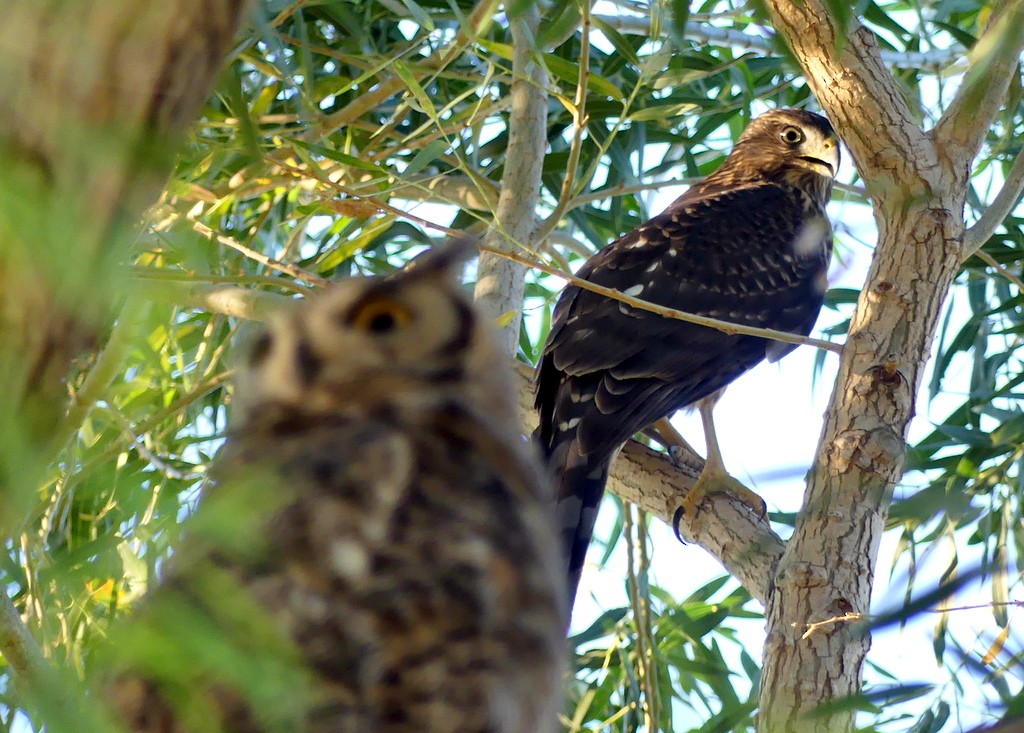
x=412, y=335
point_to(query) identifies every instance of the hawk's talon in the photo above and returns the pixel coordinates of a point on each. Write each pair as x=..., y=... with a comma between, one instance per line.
x=714, y=480
x=679, y=452
x=677, y=517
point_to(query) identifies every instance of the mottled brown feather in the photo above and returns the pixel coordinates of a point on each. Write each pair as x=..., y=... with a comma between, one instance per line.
x=405, y=554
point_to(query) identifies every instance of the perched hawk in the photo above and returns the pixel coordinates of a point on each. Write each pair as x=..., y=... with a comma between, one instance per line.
x=750, y=244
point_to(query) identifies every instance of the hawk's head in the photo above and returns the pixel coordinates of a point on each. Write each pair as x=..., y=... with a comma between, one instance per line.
x=788, y=145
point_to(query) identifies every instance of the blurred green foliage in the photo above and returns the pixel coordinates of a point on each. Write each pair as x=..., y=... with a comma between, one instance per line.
x=347, y=134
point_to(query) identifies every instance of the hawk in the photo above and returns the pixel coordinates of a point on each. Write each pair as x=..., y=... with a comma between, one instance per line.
x=749, y=244
x=376, y=503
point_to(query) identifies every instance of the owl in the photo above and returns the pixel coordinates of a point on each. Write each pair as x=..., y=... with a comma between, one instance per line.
x=377, y=553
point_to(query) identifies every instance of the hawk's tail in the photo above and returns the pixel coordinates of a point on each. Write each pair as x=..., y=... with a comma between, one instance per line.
x=580, y=488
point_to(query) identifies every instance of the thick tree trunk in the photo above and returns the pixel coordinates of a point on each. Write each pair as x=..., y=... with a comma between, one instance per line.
x=827, y=570
x=918, y=186
x=94, y=97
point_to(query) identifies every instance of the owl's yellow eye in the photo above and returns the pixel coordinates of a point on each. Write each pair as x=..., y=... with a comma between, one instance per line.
x=380, y=316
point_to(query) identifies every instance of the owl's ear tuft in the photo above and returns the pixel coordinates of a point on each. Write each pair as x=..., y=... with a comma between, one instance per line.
x=446, y=260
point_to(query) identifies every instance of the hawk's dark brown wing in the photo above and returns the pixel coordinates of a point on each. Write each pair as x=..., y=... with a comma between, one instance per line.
x=754, y=254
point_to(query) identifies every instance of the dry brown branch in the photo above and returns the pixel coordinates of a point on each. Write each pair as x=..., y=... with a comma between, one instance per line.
x=817, y=626
x=286, y=267
x=646, y=305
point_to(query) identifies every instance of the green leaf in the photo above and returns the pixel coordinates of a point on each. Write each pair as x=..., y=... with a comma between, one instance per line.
x=843, y=17
x=423, y=101
x=680, y=16
x=427, y=155
x=563, y=69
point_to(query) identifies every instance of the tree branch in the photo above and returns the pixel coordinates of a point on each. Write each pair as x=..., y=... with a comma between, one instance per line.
x=386, y=87
x=286, y=267
x=18, y=646
x=500, y=282
x=244, y=303
x=993, y=58
x=678, y=315
x=579, y=122
x=766, y=43
x=1005, y=202
x=863, y=101
x=453, y=190
x=743, y=542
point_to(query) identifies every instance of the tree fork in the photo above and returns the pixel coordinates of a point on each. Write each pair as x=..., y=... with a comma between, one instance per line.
x=916, y=181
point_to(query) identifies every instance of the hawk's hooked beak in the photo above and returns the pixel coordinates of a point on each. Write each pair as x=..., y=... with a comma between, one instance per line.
x=823, y=158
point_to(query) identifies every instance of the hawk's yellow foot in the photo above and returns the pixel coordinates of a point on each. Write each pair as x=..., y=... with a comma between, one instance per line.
x=714, y=479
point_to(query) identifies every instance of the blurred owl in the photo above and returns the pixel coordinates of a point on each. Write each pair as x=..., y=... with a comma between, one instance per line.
x=376, y=499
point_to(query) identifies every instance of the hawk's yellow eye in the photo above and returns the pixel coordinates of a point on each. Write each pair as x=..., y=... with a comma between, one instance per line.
x=792, y=135
x=380, y=316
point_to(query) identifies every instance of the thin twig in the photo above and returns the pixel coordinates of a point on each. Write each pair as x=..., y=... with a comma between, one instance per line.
x=991, y=262
x=107, y=367
x=289, y=269
x=624, y=189
x=813, y=628
x=355, y=109
x=181, y=277
x=244, y=303
x=765, y=42
x=1004, y=202
x=153, y=421
x=579, y=124
x=143, y=450
x=643, y=641
x=979, y=606
x=383, y=206
x=819, y=625
x=651, y=676
x=646, y=305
